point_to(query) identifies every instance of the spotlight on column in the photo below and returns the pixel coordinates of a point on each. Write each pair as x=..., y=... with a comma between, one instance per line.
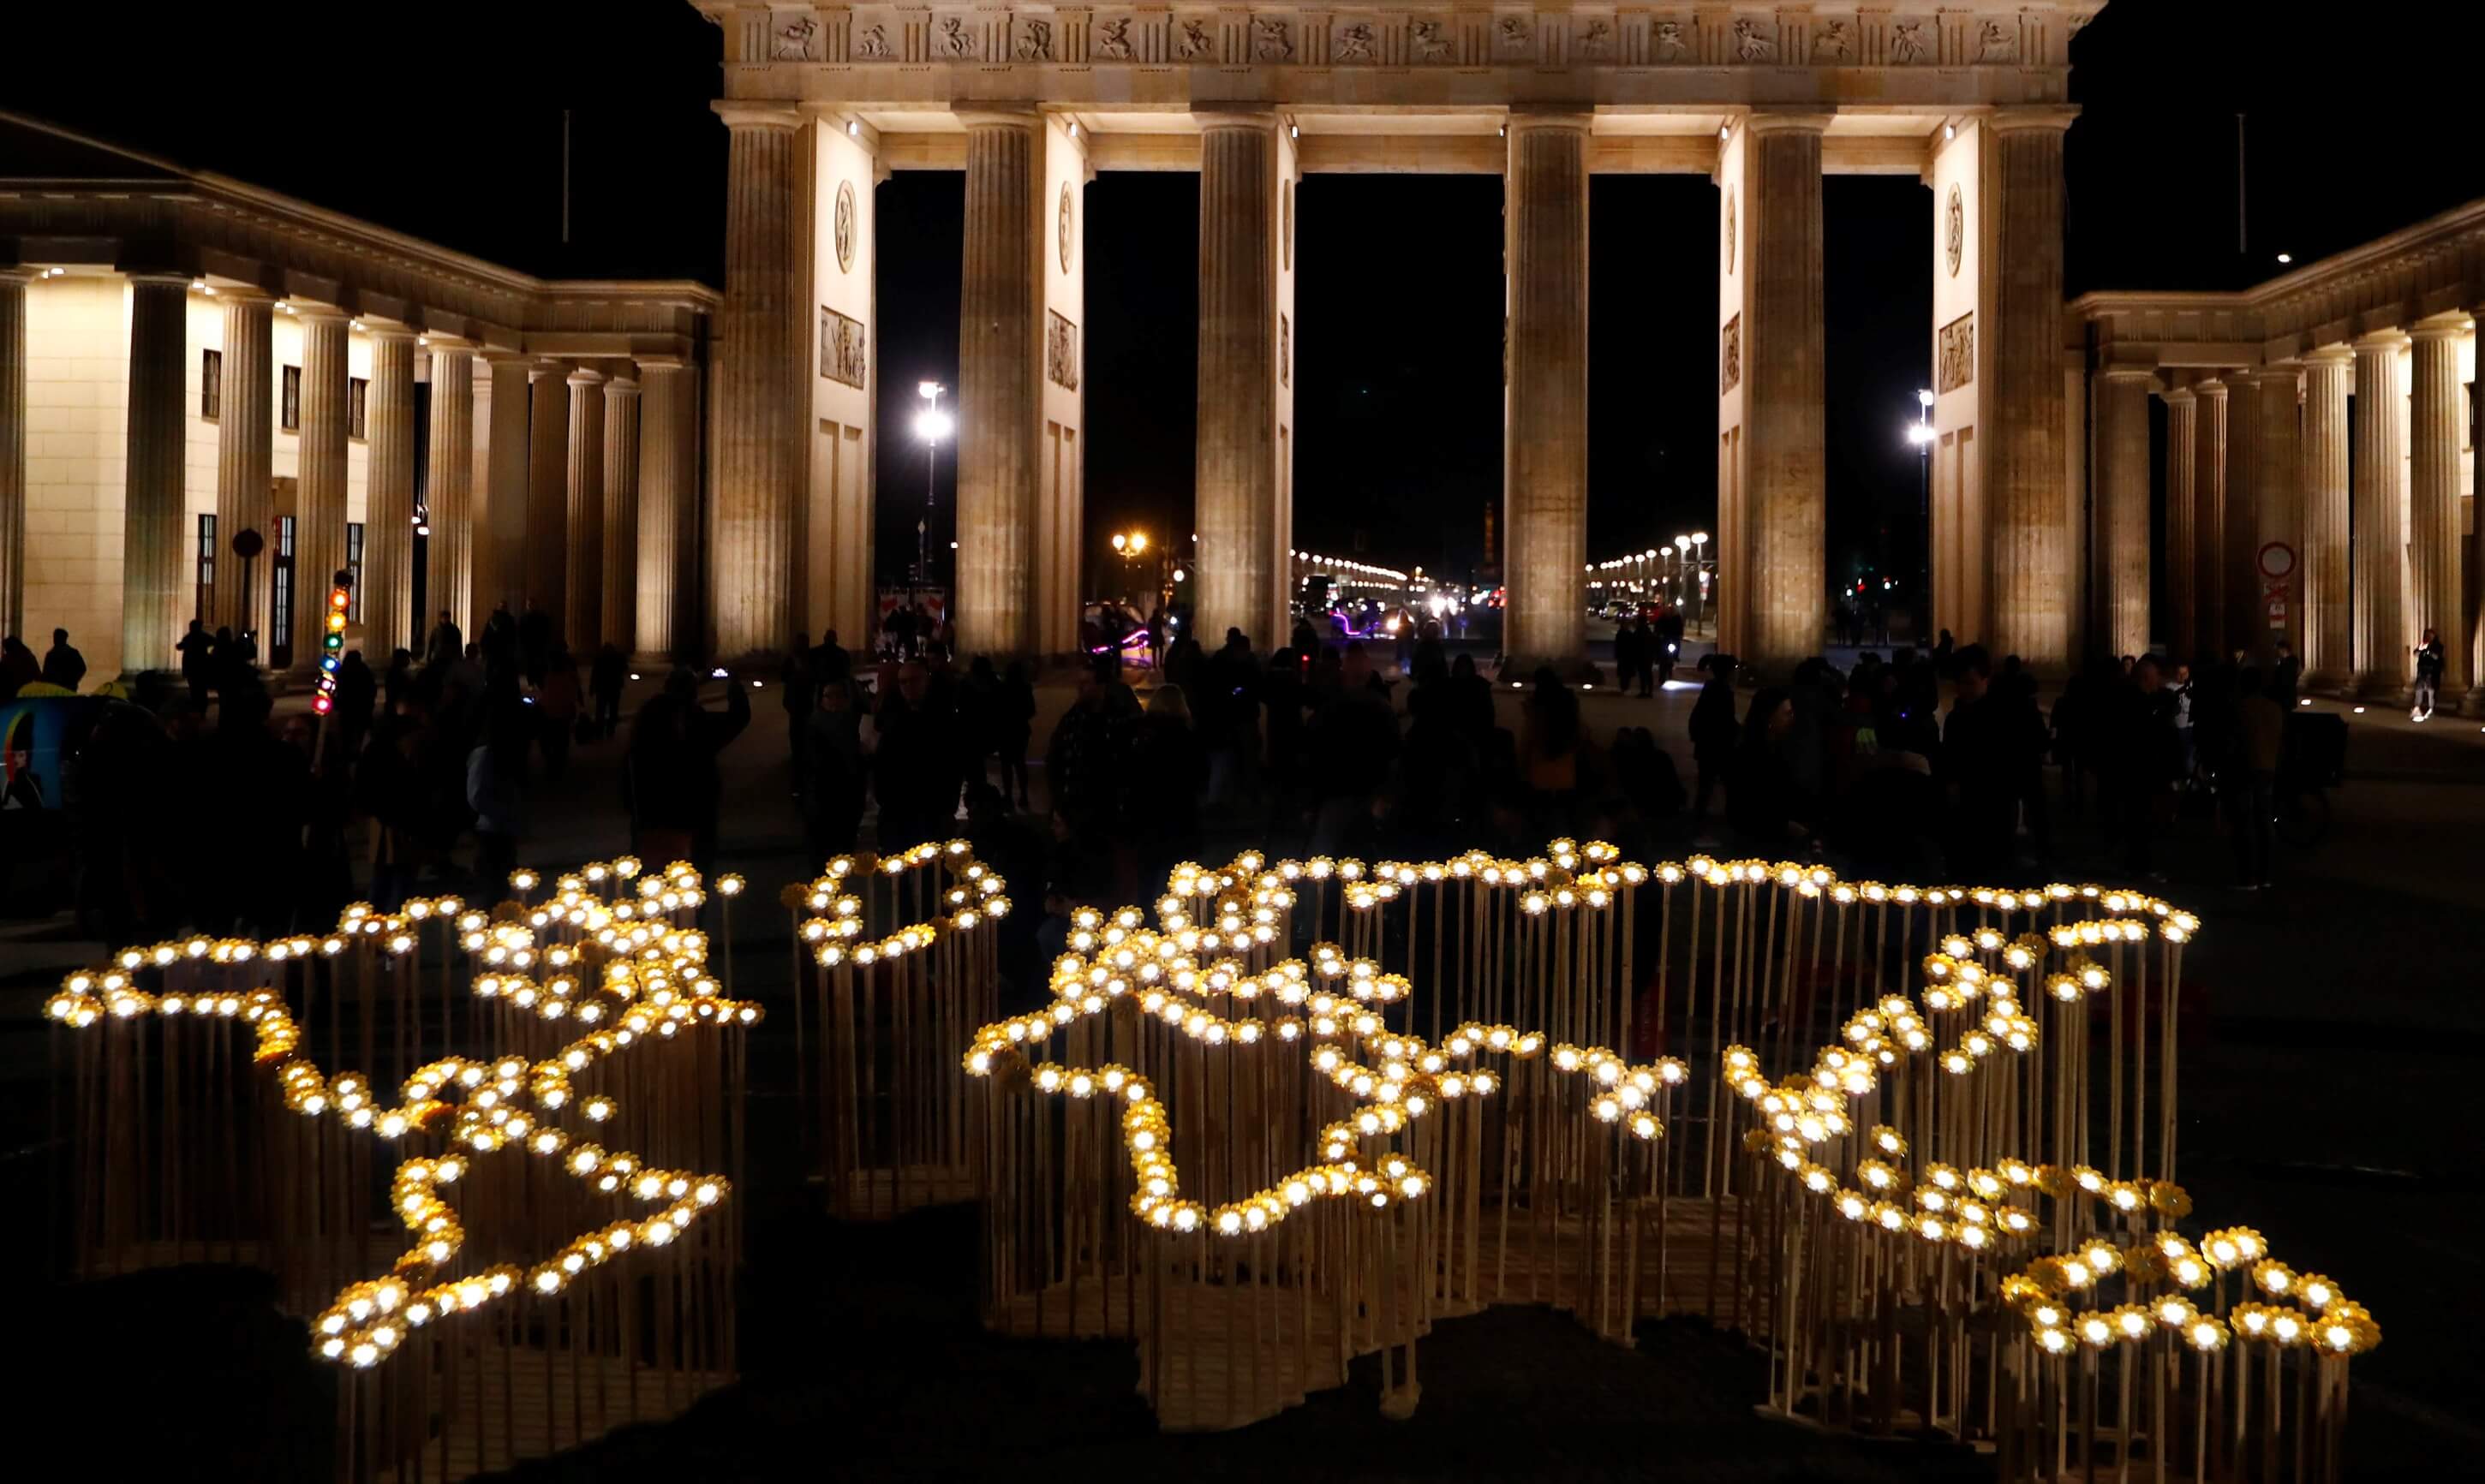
x=854, y=128
x=2286, y=257
x=1949, y=131
x=332, y=644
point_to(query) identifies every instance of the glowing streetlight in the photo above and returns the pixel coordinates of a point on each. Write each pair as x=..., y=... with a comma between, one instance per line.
x=931, y=426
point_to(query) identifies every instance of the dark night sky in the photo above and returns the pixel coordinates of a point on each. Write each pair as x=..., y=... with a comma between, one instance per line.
x=444, y=119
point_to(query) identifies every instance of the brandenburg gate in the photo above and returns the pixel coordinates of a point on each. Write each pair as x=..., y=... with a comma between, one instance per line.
x=1032, y=100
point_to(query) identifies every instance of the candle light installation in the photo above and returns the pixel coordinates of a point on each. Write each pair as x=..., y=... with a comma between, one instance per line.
x=1958, y=1219
x=567, y=1131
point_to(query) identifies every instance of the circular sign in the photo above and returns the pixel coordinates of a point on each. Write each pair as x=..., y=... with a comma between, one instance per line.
x=1065, y=227
x=246, y=543
x=1954, y=229
x=845, y=225
x=2276, y=561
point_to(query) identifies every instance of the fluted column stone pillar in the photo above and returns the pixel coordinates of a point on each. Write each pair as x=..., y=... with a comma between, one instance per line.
x=2182, y=469
x=2329, y=614
x=2471, y=624
x=2204, y=644
x=2438, y=428
x=1236, y=486
x=2026, y=501
x=1545, y=444
x=2383, y=661
x=668, y=555
x=999, y=398
x=319, y=487
x=245, y=439
x=620, y=519
x=2239, y=622
x=548, y=490
x=2278, y=506
x=12, y=448
x=2121, y=399
x=750, y=563
x=388, y=501
x=583, y=548
x=151, y=544
x=1785, y=419
x=501, y=556
x=449, y=491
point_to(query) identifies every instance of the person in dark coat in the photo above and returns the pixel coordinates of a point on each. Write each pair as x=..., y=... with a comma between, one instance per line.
x=1768, y=809
x=837, y=742
x=604, y=683
x=916, y=775
x=1167, y=772
x=1715, y=734
x=63, y=665
x=670, y=779
x=18, y=666
x=196, y=668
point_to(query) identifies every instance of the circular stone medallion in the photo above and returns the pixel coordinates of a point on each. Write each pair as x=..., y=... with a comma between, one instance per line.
x=1954, y=229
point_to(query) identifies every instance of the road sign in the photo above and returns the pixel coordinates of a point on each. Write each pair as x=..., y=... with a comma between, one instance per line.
x=247, y=544
x=2274, y=602
x=2277, y=561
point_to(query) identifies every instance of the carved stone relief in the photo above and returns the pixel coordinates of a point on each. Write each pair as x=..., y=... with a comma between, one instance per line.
x=1955, y=363
x=1354, y=43
x=1729, y=369
x=1513, y=33
x=795, y=39
x=1429, y=42
x=1908, y=43
x=1667, y=43
x=1272, y=40
x=1729, y=231
x=1113, y=40
x=1954, y=229
x=1064, y=227
x=1997, y=42
x=1598, y=40
x=845, y=225
x=841, y=348
x=1285, y=350
x=1060, y=351
x=1034, y=40
x=1753, y=42
x=1835, y=41
x=956, y=40
x=1194, y=42
x=873, y=44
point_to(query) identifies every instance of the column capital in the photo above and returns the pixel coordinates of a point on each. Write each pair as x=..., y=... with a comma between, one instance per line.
x=387, y=332
x=442, y=345
x=158, y=278
x=539, y=369
x=620, y=383
x=2442, y=327
x=1003, y=116
x=1231, y=116
x=10, y=273
x=2143, y=374
x=321, y=313
x=2209, y=386
x=747, y=113
x=583, y=377
x=1767, y=122
x=1570, y=117
x=2329, y=355
x=2378, y=340
x=245, y=293
x=2174, y=394
x=649, y=364
x=2055, y=117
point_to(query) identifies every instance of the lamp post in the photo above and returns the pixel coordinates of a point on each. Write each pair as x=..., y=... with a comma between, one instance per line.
x=930, y=425
x=1700, y=573
x=1921, y=433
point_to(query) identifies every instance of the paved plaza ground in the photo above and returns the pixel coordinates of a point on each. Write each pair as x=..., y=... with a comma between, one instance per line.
x=2325, y=1102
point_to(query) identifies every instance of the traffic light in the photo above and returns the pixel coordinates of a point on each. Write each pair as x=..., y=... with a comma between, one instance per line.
x=332, y=644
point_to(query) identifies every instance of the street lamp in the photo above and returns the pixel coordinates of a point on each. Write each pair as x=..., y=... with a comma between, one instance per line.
x=1699, y=573
x=1920, y=433
x=931, y=426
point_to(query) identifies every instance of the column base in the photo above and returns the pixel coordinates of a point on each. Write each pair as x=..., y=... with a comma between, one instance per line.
x=2384, y=686
x=2473, y=704
x=2327, y=683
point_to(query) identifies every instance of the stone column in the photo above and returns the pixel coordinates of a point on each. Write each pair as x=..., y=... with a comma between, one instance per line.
x=620, y=524
x=387, y=500
x=1544, y=441
x=448, y=572
x=999, y=406
x=1786, y=613
x=2182, y=467
x=319, y=493
x=2472, y=615
x=548, y=490
x=2278, y=506
x=2383, y=662
x=2440, y=426
x=12, y=448
x=2121, y=398
x=2329, y=616
x=2205, y=642
x=584, y=613
x=2239, y=622
x=152, y=541
x=668, y=515
x=1236, y=509
x=245, y=484
x=2026, y=501
x=750, y=565
x=501, y=557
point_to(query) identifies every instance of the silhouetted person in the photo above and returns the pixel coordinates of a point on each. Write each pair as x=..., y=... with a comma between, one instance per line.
x=916, y=775
x=197, y=666
x=2429, y=664
x=2252, y=806
x=1768, y=810
x=558, y=704
x=446, y=644
x=496, y=778
x=1167, y=771
x=535, y=642
x=1013, y=729
x=670, y=779
x=1715, y=734
x=837, y=740
x=604, y=684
